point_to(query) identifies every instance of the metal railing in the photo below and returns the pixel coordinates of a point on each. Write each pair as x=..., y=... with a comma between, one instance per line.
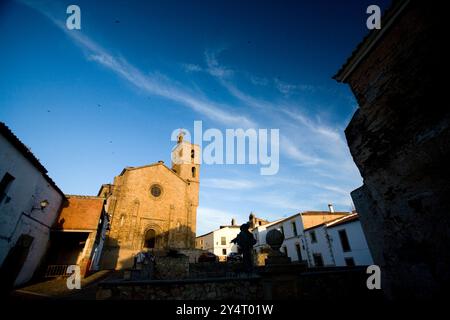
x=57, y=270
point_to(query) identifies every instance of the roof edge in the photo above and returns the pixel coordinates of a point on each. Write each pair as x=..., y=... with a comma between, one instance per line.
x=370, y=40
x=27, y=154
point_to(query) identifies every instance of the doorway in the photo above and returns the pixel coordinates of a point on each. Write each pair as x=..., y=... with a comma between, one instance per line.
x=150, y=239
x=14, y=261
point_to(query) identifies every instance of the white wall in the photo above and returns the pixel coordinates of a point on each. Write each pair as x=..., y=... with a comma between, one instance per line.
x=290, y=238
x=212, y=241
x=322, y=246
x=259, y=233
x=331, y=248
x=26, y=191
x=229, y=234
x=359, y=249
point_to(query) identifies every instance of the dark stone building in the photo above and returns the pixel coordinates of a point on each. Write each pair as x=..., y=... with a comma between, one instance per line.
x=400, y=140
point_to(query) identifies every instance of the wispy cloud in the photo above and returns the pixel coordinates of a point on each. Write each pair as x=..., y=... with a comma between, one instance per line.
x=290, y=148
x=305, y=140
x=288, y=89
x=190, y=67
x=214, y=68
x=258, y=81
x=152, y=85
x=287, y=145
x=230, y=184
x=209, y=219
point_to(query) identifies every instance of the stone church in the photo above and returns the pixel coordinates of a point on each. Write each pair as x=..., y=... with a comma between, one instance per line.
x=152, y=207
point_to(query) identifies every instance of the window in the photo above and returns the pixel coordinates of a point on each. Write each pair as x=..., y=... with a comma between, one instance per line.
x=4, y=185
x=224, y=252
x=318, y=260
x=223, y=241
x=344, y=241
x=349, y=262
x=299, y=251
x=192, y=154
x=294, y=229
x=193, y=172
x=155, y=190
x=312, y=234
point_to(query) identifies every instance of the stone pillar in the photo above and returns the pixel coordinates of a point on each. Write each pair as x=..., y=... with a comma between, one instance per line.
x=280, y=276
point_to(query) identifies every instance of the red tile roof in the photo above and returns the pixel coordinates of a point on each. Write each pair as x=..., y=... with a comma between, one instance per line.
x=340, y=220
x=349, y=218
x=80, y=213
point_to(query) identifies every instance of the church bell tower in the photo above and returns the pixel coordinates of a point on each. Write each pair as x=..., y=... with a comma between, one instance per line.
x=186, y=159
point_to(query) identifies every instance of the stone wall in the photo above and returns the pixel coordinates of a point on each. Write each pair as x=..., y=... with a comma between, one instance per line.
x=206, y=289
x=285, y=282
x=337, y=283
x=172, y=267
x=214, y=269
x=400, y=140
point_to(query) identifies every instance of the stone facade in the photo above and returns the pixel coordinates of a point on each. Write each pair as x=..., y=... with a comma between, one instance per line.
x=400, y=140
x=153, y=207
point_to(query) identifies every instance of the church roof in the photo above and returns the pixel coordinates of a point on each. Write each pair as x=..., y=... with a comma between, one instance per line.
x=159, y=163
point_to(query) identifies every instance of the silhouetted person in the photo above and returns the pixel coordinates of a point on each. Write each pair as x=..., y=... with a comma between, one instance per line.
x=245, y=241
x=145, y=262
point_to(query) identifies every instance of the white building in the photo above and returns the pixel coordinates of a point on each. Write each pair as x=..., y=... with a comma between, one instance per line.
x=340, y=242
x=295, y=244
x=292, y=228
x=29, y=205
x=219, y=241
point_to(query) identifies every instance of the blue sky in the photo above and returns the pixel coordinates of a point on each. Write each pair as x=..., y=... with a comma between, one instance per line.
x=90, y=102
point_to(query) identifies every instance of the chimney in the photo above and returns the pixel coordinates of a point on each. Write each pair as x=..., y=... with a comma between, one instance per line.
x=330, y=207
x=233, y=222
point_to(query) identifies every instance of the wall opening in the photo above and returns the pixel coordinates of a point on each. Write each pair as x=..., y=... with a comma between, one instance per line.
x=150, y=239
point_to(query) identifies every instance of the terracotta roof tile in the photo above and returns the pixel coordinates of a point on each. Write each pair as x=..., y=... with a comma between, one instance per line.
x=80, y=213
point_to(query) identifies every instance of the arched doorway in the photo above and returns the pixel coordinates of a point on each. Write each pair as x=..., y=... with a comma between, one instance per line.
x=150, y=239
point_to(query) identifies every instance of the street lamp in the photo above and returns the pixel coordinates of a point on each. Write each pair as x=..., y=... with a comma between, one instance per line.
x=43, y=204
